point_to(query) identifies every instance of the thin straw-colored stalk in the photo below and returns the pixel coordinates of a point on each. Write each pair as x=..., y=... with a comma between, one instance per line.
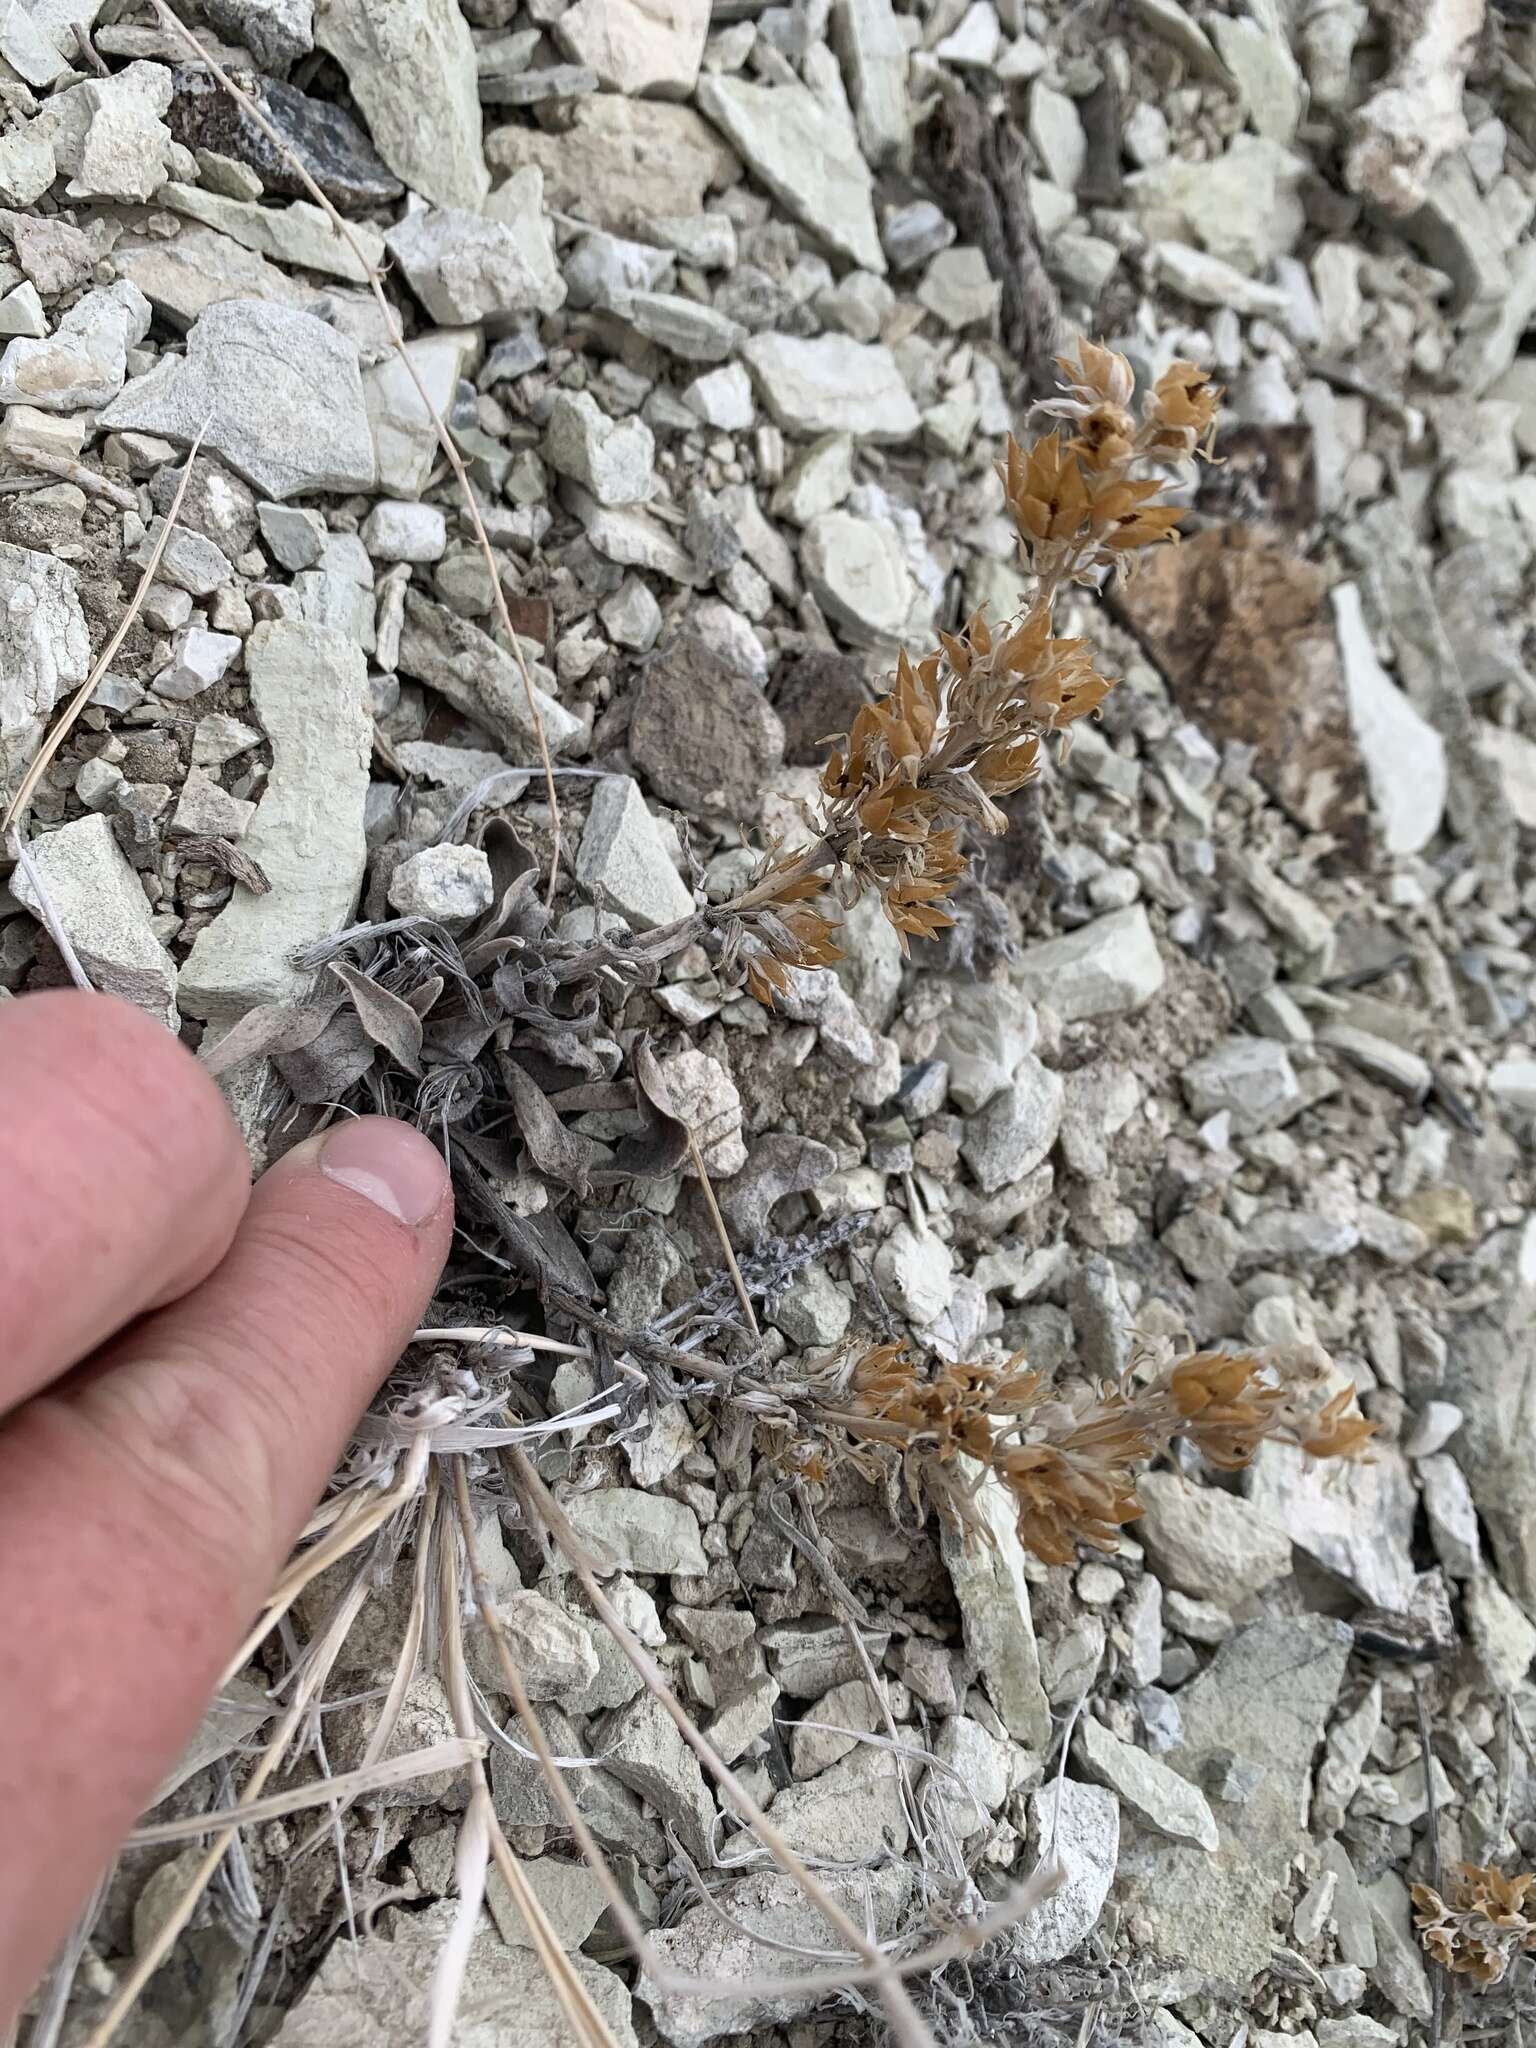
x=16, y=810
x=697, y=1155
x=311, y=1679
x=446, y=1755
x=576, y=2001
x=445, y=440
x=363, y=1516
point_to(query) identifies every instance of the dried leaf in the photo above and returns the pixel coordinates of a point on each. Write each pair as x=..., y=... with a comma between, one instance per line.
x=660, y=1146
x=540, y=1247
x=388, y=1020
x=331, y=1063
x=561, y=1153
x=266, y=1031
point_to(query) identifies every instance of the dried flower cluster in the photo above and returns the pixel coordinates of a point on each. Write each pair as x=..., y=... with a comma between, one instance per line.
x=1071, y=1458
x=1486, y=1921
x=963, y=727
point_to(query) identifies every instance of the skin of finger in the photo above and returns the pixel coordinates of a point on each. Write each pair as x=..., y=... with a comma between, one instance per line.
x=145, y=1509
x=122, y=1178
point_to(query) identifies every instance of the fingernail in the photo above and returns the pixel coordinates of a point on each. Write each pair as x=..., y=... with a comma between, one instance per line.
x=389, y=1164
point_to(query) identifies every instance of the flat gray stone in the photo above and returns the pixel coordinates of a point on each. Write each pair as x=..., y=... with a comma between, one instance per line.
x=379, y=1992
x=807, y=155
x=1264, y=1700
x=831, y=385
x=279, y=392
x=465, y=268
x=992, y=1591
x=1101, y=970
x=1208, y=1543
x=1157, y=1796
x=45, y=649
x=411, y=66
x=101, y=905
x=640, y=1532
x=703, y=1945
x=309, y=694
x=624, y=862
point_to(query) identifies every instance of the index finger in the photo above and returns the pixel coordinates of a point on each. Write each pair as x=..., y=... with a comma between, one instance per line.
x=122, y=1178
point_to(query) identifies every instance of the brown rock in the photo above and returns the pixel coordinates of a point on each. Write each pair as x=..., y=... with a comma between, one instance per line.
x=704, y=737
x=1239, y=627
x=816, y=694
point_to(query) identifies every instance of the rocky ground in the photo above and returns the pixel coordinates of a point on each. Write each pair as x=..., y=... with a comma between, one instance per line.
x=727, y=312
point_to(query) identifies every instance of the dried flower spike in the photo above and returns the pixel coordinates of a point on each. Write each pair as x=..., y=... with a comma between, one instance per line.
x=1071, y=1459
x=963, y=726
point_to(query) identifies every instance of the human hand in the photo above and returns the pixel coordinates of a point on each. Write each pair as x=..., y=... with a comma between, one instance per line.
x=182, y=1357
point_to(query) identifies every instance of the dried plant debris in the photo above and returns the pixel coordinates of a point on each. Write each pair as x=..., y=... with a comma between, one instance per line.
x=1481, y=1926
x=879, y=662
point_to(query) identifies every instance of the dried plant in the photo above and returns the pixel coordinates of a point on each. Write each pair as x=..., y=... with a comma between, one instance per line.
x=963, y=727
x=1487, y=1920
x=1071, y=1458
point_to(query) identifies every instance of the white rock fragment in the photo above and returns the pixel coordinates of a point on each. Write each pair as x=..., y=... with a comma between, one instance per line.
x=1015, y=1132
x=1242, y=207
x=632, y=617
x=807, y=155
x=404, y=437
x=206, y=810
x=958, y=287
x=640, y=1532
x=465, y=268
x=1158, y=1797
x=623, y=859
x=974, y=41
x=45, y=649
x=982, y=1037
x=702, y=1092
x=831, y=385
x=915, y=1267
x=1257, y=52
x=201, y=660
x=1415, y=117
x=1252, y=1079
x=126, y=147
x=1405, y=763
x=84, y=361
x=400, y=531
x=1056, y=130
x=992, y=1591
x=1207, y=1543
x=411, y=66
x=100, y=902
x=449, y=884
x=723, y=398
x=1082, y=1824
x=292, y=420
x=299, y=233
x=27, y=164
x=309, y=693
x=1100, y=970
x=612, y=458
x=649, y=47
x=874, y=60
x=856, y=570
x=1207, y=281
